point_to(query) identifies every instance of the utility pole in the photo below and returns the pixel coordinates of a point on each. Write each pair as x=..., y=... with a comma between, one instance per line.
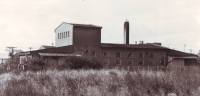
x=30, y=48
x=11, y=51
x=184, y=47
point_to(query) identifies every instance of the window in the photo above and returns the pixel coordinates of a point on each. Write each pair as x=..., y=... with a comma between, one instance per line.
x=141, y=62
x=130, y=55
x=162, y=62
x=68, y=33
x=64, y=34
x=130, y=62
x=141, y=55
x=118, y=54
x=93, y=53
x=58, y=35
x=23, y=60
x=162, y=55
x=151, y=55
x=152, y=62
x=106, y=61
x=118, y=61
x=105, y=54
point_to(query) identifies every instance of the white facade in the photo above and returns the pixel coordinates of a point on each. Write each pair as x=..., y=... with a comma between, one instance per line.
x=64, y=35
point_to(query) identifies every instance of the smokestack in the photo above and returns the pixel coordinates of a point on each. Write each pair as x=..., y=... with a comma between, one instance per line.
x=126, y=32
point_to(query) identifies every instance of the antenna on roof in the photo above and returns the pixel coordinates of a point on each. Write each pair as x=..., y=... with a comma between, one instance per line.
x=126, y=20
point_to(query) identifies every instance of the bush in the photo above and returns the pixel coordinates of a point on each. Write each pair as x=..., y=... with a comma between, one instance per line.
x=79, y=63
x=36, y=63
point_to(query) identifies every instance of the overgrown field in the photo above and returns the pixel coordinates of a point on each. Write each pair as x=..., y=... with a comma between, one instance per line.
x=105, y=82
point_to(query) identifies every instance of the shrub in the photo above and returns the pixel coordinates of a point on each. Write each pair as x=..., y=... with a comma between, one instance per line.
x=79, y=63
x=36, y=63
x=2, y=69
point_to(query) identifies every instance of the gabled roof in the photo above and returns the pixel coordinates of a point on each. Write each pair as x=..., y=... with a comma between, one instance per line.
x=63, y=49
x=85, y=25
x=139, y=46
x=176, y=53
x=57, y=54
x=171, y=52
x=81, y=25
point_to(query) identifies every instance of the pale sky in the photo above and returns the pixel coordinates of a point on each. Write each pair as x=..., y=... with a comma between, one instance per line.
x=31, y=23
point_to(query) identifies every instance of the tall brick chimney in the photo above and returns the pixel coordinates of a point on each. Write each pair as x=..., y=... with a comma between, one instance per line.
x=126, y=32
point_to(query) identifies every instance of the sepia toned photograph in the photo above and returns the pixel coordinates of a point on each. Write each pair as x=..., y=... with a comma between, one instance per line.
x=100, y=48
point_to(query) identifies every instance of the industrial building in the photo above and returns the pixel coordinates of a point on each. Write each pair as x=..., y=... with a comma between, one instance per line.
x=85, y=40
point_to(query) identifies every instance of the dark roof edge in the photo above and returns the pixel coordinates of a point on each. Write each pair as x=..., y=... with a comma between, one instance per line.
x=74, y=24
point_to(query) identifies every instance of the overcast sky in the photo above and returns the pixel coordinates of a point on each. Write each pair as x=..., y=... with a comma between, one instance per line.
x=31, y=23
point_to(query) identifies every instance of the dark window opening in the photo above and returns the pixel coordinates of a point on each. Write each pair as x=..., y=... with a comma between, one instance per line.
x=118, y=54
x=105, y=54
x=141, y=55
x=93, y=53
x=162, y=62
x=141, y=62
x=130, y=55
x=130, y=62
x=118, y=61
x=106, y=61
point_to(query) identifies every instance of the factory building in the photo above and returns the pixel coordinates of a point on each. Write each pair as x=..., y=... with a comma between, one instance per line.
x=85, y=40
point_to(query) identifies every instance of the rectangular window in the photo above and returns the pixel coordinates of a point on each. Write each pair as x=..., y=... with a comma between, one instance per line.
x=23, y=60
x=106, y=61
x=141, y=62
x=105, y=54
x=64, y=34
x=141, y=55
x=118, y=54
x=68, y=33
x=118, y=61
x=58, y=35
x=151, y=55
x=130, y=62
x=162, y=55
x=93, y=53
x=152, y=62
x=162, y=62
x=130, y=55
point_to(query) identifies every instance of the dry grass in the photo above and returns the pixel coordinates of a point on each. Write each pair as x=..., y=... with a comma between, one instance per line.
x=111, y=82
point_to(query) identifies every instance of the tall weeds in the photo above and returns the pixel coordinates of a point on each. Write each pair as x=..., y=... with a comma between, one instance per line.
x=112, y=82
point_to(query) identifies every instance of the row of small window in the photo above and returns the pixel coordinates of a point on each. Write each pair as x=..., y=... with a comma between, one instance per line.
x=106, y=61
x=63, y=35
x=130, y=54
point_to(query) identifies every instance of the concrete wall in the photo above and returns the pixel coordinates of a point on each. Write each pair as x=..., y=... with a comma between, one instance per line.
x=64, y=41
x=177, y=62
